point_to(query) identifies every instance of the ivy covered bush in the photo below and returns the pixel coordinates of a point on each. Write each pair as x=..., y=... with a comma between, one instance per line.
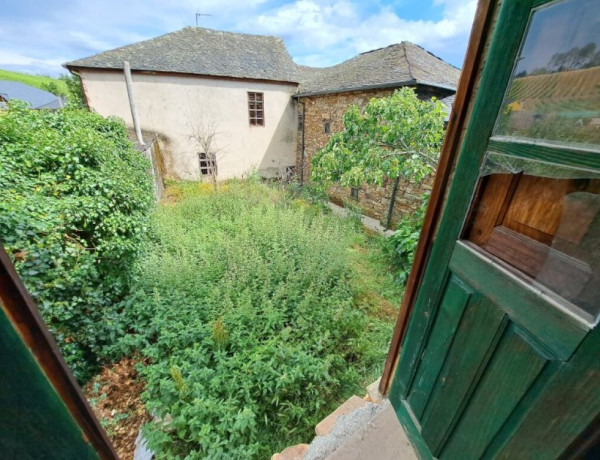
x=76, y=197
x=247, y=323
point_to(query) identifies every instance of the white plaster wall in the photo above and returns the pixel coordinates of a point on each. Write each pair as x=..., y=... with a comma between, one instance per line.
x=170, y=105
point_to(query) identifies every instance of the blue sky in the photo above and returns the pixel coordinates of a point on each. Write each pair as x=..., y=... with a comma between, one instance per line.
x=37, y=36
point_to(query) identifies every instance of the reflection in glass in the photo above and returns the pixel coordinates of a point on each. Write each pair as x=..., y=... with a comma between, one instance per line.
x=543, y=220
x=554, y=94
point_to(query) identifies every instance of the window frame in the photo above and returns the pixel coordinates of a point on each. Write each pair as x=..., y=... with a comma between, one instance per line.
x=256, y=108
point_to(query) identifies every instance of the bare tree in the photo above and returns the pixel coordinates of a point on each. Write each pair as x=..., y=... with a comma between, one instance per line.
x=203, y=130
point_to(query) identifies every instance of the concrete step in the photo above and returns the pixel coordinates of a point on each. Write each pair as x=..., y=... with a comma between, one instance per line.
x=345, y=428
x=325, y=426
x=296, y=452
x=383, y=438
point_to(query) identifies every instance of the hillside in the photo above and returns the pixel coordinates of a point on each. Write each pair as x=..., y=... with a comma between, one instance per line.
x=53, y=85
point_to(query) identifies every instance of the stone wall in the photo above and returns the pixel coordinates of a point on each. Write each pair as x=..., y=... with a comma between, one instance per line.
x=326, y=111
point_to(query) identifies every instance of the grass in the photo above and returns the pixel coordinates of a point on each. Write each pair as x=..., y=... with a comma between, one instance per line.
x=255, y=315
x=44, y=82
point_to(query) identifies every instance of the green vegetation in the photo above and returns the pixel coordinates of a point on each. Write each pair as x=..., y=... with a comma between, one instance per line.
x=401, y=246
x=65, y=85
x=52, y=85
x=75, y=201
x=253, y=313
x=397, y=136
x=256, y=314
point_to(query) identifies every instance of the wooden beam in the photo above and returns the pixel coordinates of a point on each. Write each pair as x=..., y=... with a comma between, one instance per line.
x=458, y=120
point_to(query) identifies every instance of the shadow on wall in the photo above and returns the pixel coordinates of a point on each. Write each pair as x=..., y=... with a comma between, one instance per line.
x=273, y=163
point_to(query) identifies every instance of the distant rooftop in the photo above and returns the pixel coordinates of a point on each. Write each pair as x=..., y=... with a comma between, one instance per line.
x=35, y=97
x=396, y=65
x=200, y=51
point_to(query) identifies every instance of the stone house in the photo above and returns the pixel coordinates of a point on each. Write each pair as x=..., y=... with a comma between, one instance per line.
x=237, y=86
x=267, y=113
x=325, y=94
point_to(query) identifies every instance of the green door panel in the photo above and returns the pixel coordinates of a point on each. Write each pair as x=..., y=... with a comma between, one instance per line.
x=496, y=364
x=494, y=349
x=564, y=409
x=479, y=330
x=35, y=423
x=556, y=328
x=511, y=24
x=513, y=368
x=453, y=303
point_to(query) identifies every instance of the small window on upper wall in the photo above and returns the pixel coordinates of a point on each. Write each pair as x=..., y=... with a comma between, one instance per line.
x=326, y=126
x=256, y=109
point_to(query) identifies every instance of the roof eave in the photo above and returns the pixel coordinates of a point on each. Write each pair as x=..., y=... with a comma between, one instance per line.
x=75, y=68
x=399, y=84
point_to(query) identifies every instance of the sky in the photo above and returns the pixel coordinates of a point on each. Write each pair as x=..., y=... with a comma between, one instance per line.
x=38, y=36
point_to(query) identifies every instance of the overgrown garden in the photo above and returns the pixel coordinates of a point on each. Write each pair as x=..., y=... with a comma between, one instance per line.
x=251, y=312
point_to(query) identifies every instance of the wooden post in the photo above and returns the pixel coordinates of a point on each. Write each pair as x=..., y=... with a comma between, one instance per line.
x=134, y=115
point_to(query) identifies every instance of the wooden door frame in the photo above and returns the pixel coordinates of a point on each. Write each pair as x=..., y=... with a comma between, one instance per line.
x=25, y=318
x=459, y=118
x=506, y=37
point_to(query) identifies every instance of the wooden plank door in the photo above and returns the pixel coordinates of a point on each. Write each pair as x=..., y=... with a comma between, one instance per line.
x=500, y=358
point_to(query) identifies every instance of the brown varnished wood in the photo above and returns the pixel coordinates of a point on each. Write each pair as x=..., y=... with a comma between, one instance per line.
x=536, y=208
x=494, y=192
x=458, y=120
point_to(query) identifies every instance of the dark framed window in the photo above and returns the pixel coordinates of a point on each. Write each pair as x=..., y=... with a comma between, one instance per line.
x=256, y=109
x=300, y=122
x=354, y=193
x=326, y=127
x=208, y=165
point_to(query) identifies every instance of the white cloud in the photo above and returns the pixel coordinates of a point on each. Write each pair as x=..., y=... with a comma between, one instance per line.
x=316, y=32
x=338, y=30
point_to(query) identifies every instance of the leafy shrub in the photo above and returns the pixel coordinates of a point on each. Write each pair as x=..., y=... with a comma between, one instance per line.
x=401, y=246
x=246, y=318
x=75, y=201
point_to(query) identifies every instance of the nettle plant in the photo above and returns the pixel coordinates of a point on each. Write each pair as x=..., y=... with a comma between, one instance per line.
x=247, y=323
x=76, y=197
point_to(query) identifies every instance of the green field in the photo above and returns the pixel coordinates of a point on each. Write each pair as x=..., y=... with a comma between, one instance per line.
x=53, y=85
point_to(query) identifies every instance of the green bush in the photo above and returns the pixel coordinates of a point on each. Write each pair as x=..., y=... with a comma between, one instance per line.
x=401, y=246
x=246, y=318
x=75, y=201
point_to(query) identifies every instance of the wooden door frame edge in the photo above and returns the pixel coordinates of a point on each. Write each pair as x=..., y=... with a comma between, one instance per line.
x=27, y=321
x=458, y=120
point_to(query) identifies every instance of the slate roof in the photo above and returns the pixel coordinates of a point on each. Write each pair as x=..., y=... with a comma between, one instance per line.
x=396, y=65
x=35, y=97
x=200, y=51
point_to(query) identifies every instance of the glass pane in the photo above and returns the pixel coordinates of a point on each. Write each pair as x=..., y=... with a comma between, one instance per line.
x=554, y=94
x=543, y=220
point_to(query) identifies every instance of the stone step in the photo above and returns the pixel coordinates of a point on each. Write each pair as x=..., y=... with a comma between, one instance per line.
x=325, y=426
x=296, y=452
x=382, y=438
x=346, y=427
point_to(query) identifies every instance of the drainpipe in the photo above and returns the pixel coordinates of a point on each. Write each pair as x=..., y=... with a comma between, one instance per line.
x=302, y=150
x=134, y=114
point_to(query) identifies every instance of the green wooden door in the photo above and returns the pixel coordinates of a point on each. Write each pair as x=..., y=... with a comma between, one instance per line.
x=501, y=358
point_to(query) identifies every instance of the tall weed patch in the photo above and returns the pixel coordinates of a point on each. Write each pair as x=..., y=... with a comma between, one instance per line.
x=245, y=317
